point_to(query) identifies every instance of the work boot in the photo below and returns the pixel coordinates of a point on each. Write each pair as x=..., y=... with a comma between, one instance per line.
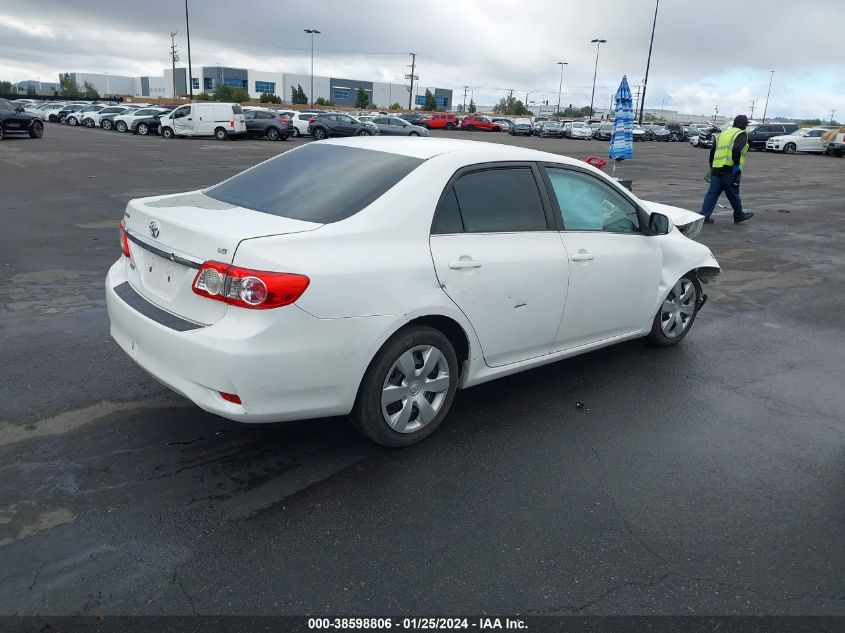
x=744, y=217
x=709, y=221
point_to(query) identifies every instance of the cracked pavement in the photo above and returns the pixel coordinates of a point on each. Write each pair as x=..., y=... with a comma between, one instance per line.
x=703, y=479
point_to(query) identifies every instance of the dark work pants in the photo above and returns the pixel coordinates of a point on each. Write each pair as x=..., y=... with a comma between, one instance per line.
x=722, y=183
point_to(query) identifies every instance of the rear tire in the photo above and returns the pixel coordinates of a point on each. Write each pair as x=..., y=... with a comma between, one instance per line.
x=295, y=133
x=450, y=127
x=106, y=124
x=427, y=398
x=273, y=134
x=220, y=134
x=37, y=130
x=72, y=121
x=167, y=133
x=319, y=134
x=676, y=313
x=120, y=126
x=469, y=128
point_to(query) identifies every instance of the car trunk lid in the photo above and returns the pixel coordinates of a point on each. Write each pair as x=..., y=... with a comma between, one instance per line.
x=171, y=236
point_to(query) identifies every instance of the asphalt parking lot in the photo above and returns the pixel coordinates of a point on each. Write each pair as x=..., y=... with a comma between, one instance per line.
x=702, y=479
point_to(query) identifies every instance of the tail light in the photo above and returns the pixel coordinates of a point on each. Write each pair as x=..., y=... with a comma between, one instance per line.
x=312, y=120
x=231, y=124
x=246, y=288
x=124, y=239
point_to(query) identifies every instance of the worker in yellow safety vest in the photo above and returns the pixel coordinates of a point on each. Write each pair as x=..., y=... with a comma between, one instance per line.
x=727, y=158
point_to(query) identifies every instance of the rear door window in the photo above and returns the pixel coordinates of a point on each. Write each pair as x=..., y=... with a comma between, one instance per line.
x=503, y=200
x=293, y=184
x=236, y=109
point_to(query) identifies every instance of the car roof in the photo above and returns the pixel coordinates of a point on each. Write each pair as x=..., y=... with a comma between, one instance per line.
x=427, y=147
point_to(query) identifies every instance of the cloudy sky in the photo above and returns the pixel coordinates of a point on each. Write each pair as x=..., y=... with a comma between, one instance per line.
x=706, y=54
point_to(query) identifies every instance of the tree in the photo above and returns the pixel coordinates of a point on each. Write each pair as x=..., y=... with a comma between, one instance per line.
x=430, y=104
x=222, y=92
x=507, y=105
x=811, y=122
x=585, y=111
x=362, y=99
x=90, y=91
x=69, y=87
x=5, y=87
x=266, y=97
x=298, y=95
x=396, y=106
x=321, y=101
x=203, y=96
x=471, y=107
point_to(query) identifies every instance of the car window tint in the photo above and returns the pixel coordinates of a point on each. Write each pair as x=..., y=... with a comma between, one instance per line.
x=293, y=185
x=381, y=121
x=448, y=215
x=587, y=204
x=500, y=200
x=236, y=109
x=249, y=115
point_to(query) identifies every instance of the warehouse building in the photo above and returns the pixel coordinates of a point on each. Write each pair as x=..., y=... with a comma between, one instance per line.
x=341, y=91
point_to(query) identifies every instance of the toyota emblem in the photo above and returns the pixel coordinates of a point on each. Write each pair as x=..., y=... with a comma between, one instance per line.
x=154, y=230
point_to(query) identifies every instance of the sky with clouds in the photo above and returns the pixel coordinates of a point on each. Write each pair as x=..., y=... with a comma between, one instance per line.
x=706, y=54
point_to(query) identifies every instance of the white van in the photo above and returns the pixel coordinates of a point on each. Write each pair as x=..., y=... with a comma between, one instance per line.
x=220, y=120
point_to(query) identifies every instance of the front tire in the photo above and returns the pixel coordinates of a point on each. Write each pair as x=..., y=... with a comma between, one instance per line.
x=364, y=133
x=220, y=134
x=408, y=388
x=677, y=312
x=106, y=124
x=450, y=127
x=120, y=126
x=789, y=148
x=413, y=133
x=167, y=133
x=143, y=129
x=36, y=131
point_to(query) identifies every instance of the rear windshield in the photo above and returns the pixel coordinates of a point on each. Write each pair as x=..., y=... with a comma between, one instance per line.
x=236, y=109
x=317, y=183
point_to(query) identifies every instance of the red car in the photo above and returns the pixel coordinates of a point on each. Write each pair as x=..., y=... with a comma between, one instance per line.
x=476, y=122
x=441, y=121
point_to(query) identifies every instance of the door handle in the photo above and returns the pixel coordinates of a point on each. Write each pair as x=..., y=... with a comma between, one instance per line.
x=581, y=256
x=465, y=263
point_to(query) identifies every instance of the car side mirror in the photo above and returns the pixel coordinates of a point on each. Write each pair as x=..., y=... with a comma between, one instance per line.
x=658, y=224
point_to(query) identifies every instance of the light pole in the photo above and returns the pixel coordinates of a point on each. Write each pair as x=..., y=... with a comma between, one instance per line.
x=313, y=32
x=648, y=63
x=598, y=44
x=190, y=70
x=766, y=109
x=560, y=86
x=530, y=93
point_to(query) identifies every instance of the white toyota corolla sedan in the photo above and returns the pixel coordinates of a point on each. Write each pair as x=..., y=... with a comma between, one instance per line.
x=376, y=276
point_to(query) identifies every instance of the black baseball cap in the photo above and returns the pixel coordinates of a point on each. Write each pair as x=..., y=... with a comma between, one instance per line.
x=741, y=121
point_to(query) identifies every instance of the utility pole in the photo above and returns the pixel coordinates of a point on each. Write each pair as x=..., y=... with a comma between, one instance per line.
x=648, y=63
x=190, y=72
x=766, y=109
x=598, y=43
x=832, y=112
x=715, y=114
x=560, y=86
x=173, y=58
x=636, y=102
x=412, y=77
x=752, y=108
x=464, y=109
x=312, y=32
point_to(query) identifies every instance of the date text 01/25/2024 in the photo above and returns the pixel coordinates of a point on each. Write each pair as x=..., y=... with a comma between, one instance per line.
x=413, y=624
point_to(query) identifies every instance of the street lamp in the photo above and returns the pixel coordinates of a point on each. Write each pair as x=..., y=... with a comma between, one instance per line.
x=530, y=93
x=313, y=32
x=560, y=86
x=598, y=44
x=766, y=109
x=190, y=68
x=648, y=63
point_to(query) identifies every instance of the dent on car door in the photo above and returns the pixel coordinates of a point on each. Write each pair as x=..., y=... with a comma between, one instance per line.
x=499, y=258
x=615, y=268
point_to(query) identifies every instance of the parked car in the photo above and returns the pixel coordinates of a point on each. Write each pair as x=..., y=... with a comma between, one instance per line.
x=37, y=110
x=300, y=120
x=659, y=133
x=93, y=119
x=282, y=309
x=803, y=140
x=520, y=127
x=834, y=142
x=394, y=126
x=676, y=132
x=604, y=132
x=577, y=130
x=441, y=121
x=220, y=120
x=327, y=125
x=759, y=134
x=68, y=108
x=550, y=129
x=478, y=122
x=123, y=122
x=13, y=120
x=414, y=118
x=706, y=136
x=639, y=133
x=504, y=123
x=267, y=124
x=76, y=118
x=535, y=124
x=146, y=125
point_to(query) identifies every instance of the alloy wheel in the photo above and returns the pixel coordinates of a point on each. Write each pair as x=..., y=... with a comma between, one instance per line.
x=415, y=389
x=143, y=129
x=678, y=308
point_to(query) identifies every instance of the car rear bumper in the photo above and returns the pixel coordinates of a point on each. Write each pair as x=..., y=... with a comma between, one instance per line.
x=283, y=364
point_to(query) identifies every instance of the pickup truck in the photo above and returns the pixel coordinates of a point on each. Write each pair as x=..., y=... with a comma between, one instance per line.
x=834, y=142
